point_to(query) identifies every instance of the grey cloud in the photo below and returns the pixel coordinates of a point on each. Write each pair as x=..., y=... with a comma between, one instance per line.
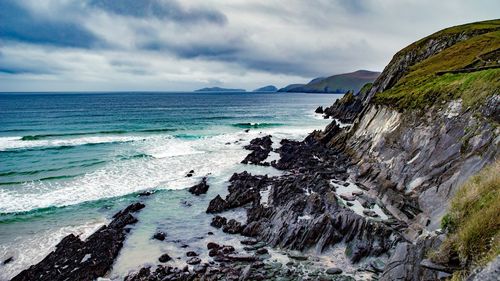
x=18, y=24
x=155, y=44
x=166, y=9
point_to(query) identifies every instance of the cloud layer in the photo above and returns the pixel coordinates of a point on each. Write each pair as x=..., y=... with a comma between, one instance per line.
x=73, y=45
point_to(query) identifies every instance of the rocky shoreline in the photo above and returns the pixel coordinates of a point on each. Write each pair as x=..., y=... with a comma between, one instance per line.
x=295, y=212
x=315, y=206
x=74, y=259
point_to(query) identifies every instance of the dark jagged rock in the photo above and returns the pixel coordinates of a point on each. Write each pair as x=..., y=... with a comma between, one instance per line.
x=8, y=260
x=319, y=110
x=262, y=251
x=232, y=227
x=244, y=189
x=212, y=245
x=191, y=254
x=311, y=155
x=159, y=235
x=218, y=221
x=325, y=222
x=260, y=151
x=200, y=188
x=216, y=205
x=347, y=108
x=74, y=259
x=258, y=143
x=164, y=258
x=146, y=193
x=190, y=174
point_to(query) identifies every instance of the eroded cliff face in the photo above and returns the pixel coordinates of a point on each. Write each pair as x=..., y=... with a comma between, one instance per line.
x=415, y=160
x=413, y=156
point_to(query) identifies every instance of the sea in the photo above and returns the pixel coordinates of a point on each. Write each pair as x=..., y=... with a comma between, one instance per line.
x=69, y=161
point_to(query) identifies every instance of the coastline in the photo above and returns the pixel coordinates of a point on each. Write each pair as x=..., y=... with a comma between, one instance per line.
x=259, y=260
x=99, y=212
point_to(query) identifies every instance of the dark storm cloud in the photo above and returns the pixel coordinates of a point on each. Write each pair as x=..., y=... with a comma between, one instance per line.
x=168, y=10
x=174, y=44
x=213, y=51
x=18, y=24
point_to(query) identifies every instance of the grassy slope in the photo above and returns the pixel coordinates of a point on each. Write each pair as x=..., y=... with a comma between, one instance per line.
x=421, y=86
x=342, y=82
x=473, y=221
x=348, y=81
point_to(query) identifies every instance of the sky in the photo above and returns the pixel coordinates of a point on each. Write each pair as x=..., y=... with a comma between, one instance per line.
x=174, y=45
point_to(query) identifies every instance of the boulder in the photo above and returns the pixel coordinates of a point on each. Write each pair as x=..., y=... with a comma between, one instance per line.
x=333, y=270
x=216, y=205
x=200, y=188
x=159, y=235
x=232, y=227
x=164, y=258
x=8, y=260
x=218, y=221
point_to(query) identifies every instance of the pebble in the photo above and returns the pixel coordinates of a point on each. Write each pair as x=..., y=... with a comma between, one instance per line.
x=334, y=270
x=193, y=260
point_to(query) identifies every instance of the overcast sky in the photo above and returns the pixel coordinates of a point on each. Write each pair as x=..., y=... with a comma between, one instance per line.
x=113, y=45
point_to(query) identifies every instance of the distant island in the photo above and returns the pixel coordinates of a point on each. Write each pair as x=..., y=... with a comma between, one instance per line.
x=335, y=84
x=219, y=89
x=340, y=83
x=269, y=88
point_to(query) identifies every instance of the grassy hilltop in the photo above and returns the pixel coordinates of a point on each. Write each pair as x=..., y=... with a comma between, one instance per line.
x=469, y=70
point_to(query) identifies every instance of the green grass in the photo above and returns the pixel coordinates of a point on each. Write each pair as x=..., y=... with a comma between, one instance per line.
x=473, y=222
x=472, y=88
x=421, y=87
x=468, y=28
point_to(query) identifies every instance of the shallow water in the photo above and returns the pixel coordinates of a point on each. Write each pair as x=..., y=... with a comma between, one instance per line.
x=68, y=162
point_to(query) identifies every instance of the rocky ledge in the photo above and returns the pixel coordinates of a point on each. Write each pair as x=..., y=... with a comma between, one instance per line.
x=74, y=259
x=260, y=147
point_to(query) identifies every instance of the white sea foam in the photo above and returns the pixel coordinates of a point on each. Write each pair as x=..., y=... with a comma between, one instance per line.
x=172, y=159
x=28, y=249
x=9, y=143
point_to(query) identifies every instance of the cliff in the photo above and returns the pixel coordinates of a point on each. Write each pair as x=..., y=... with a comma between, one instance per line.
x=428, y=123
x=339, y=83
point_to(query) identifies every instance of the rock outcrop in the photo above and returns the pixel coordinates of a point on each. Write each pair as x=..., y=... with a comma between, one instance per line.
x=200, y=188
x=74, y=259
x=260, y=147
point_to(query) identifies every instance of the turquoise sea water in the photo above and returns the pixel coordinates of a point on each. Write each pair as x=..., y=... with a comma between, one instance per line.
x=68, y=161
